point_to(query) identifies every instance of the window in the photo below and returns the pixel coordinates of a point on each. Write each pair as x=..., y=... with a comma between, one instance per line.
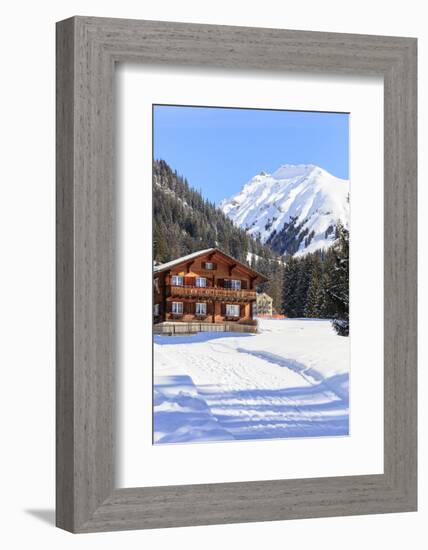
x=209, y=265
x=177, y=308
x=201, y=308
x=232, y=310
x=156, y=310
x=234, y=284
x=201, y=282
x=177, y=280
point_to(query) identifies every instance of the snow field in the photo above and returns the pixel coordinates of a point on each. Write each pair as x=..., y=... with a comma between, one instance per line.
x=290, y=380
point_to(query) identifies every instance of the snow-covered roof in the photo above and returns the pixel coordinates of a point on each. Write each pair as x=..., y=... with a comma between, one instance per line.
x=168, y=265
x=177, y=261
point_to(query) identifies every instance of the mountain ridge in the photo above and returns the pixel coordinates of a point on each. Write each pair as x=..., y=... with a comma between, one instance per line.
x=295, y=210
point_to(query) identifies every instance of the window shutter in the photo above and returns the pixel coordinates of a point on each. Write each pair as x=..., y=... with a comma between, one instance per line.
x=244, y=285
x=241, y=310
x=214, y=266
x=169, y=307
x=203, y=265
x=189, y=281
x=223, y=309
x=220, y=283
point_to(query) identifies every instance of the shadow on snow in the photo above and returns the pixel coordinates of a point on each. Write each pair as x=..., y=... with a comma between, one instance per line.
x=185, y=413
x=197, y=338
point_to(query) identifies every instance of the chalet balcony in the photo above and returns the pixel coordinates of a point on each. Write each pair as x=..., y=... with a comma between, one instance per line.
x=211, y=293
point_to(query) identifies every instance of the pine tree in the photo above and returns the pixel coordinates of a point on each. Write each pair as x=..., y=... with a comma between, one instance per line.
x=327, y=307
x=338, y=289
x=160, y=249
x=290, y=305
x=275, y=284
x=314, y=295
x=302, y=286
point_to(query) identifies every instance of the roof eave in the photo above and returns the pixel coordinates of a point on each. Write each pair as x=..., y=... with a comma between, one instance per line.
x=262, y=278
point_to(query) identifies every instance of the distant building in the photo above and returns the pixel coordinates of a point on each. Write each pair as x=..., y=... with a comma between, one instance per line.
x=264, y=304
x=207, y=286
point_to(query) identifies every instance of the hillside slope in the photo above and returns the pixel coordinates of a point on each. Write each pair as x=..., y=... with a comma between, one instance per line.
x=184, y=222
x=295, y=210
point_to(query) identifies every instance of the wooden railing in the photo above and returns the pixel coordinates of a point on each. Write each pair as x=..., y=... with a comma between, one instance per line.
x=213, y=293
x=173, y=328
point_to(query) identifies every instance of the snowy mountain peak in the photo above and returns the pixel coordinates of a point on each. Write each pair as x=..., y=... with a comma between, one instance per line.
x=295, y=209
x=289, y=171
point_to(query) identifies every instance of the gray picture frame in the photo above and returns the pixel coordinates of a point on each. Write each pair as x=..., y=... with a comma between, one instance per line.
x=87, y=51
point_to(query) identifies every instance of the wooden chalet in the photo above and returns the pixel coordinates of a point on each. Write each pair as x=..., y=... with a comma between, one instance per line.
x=208, y=286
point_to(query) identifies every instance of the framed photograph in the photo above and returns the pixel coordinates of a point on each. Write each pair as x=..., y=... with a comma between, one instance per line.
x=251, y=291
x=236, y=274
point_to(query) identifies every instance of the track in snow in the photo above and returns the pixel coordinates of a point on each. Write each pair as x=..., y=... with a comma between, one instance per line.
x=217, y=388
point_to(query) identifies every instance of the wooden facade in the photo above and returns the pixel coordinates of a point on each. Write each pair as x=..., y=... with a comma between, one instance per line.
x=207, y=286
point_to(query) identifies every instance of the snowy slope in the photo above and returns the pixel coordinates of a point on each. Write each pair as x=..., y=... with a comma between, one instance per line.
x=220, y=386
x=294, y=210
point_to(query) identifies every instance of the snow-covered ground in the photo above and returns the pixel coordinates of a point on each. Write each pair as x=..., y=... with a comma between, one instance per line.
x=290, y=380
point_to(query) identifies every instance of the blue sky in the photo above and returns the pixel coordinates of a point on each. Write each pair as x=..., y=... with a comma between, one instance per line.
x=218, y=150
